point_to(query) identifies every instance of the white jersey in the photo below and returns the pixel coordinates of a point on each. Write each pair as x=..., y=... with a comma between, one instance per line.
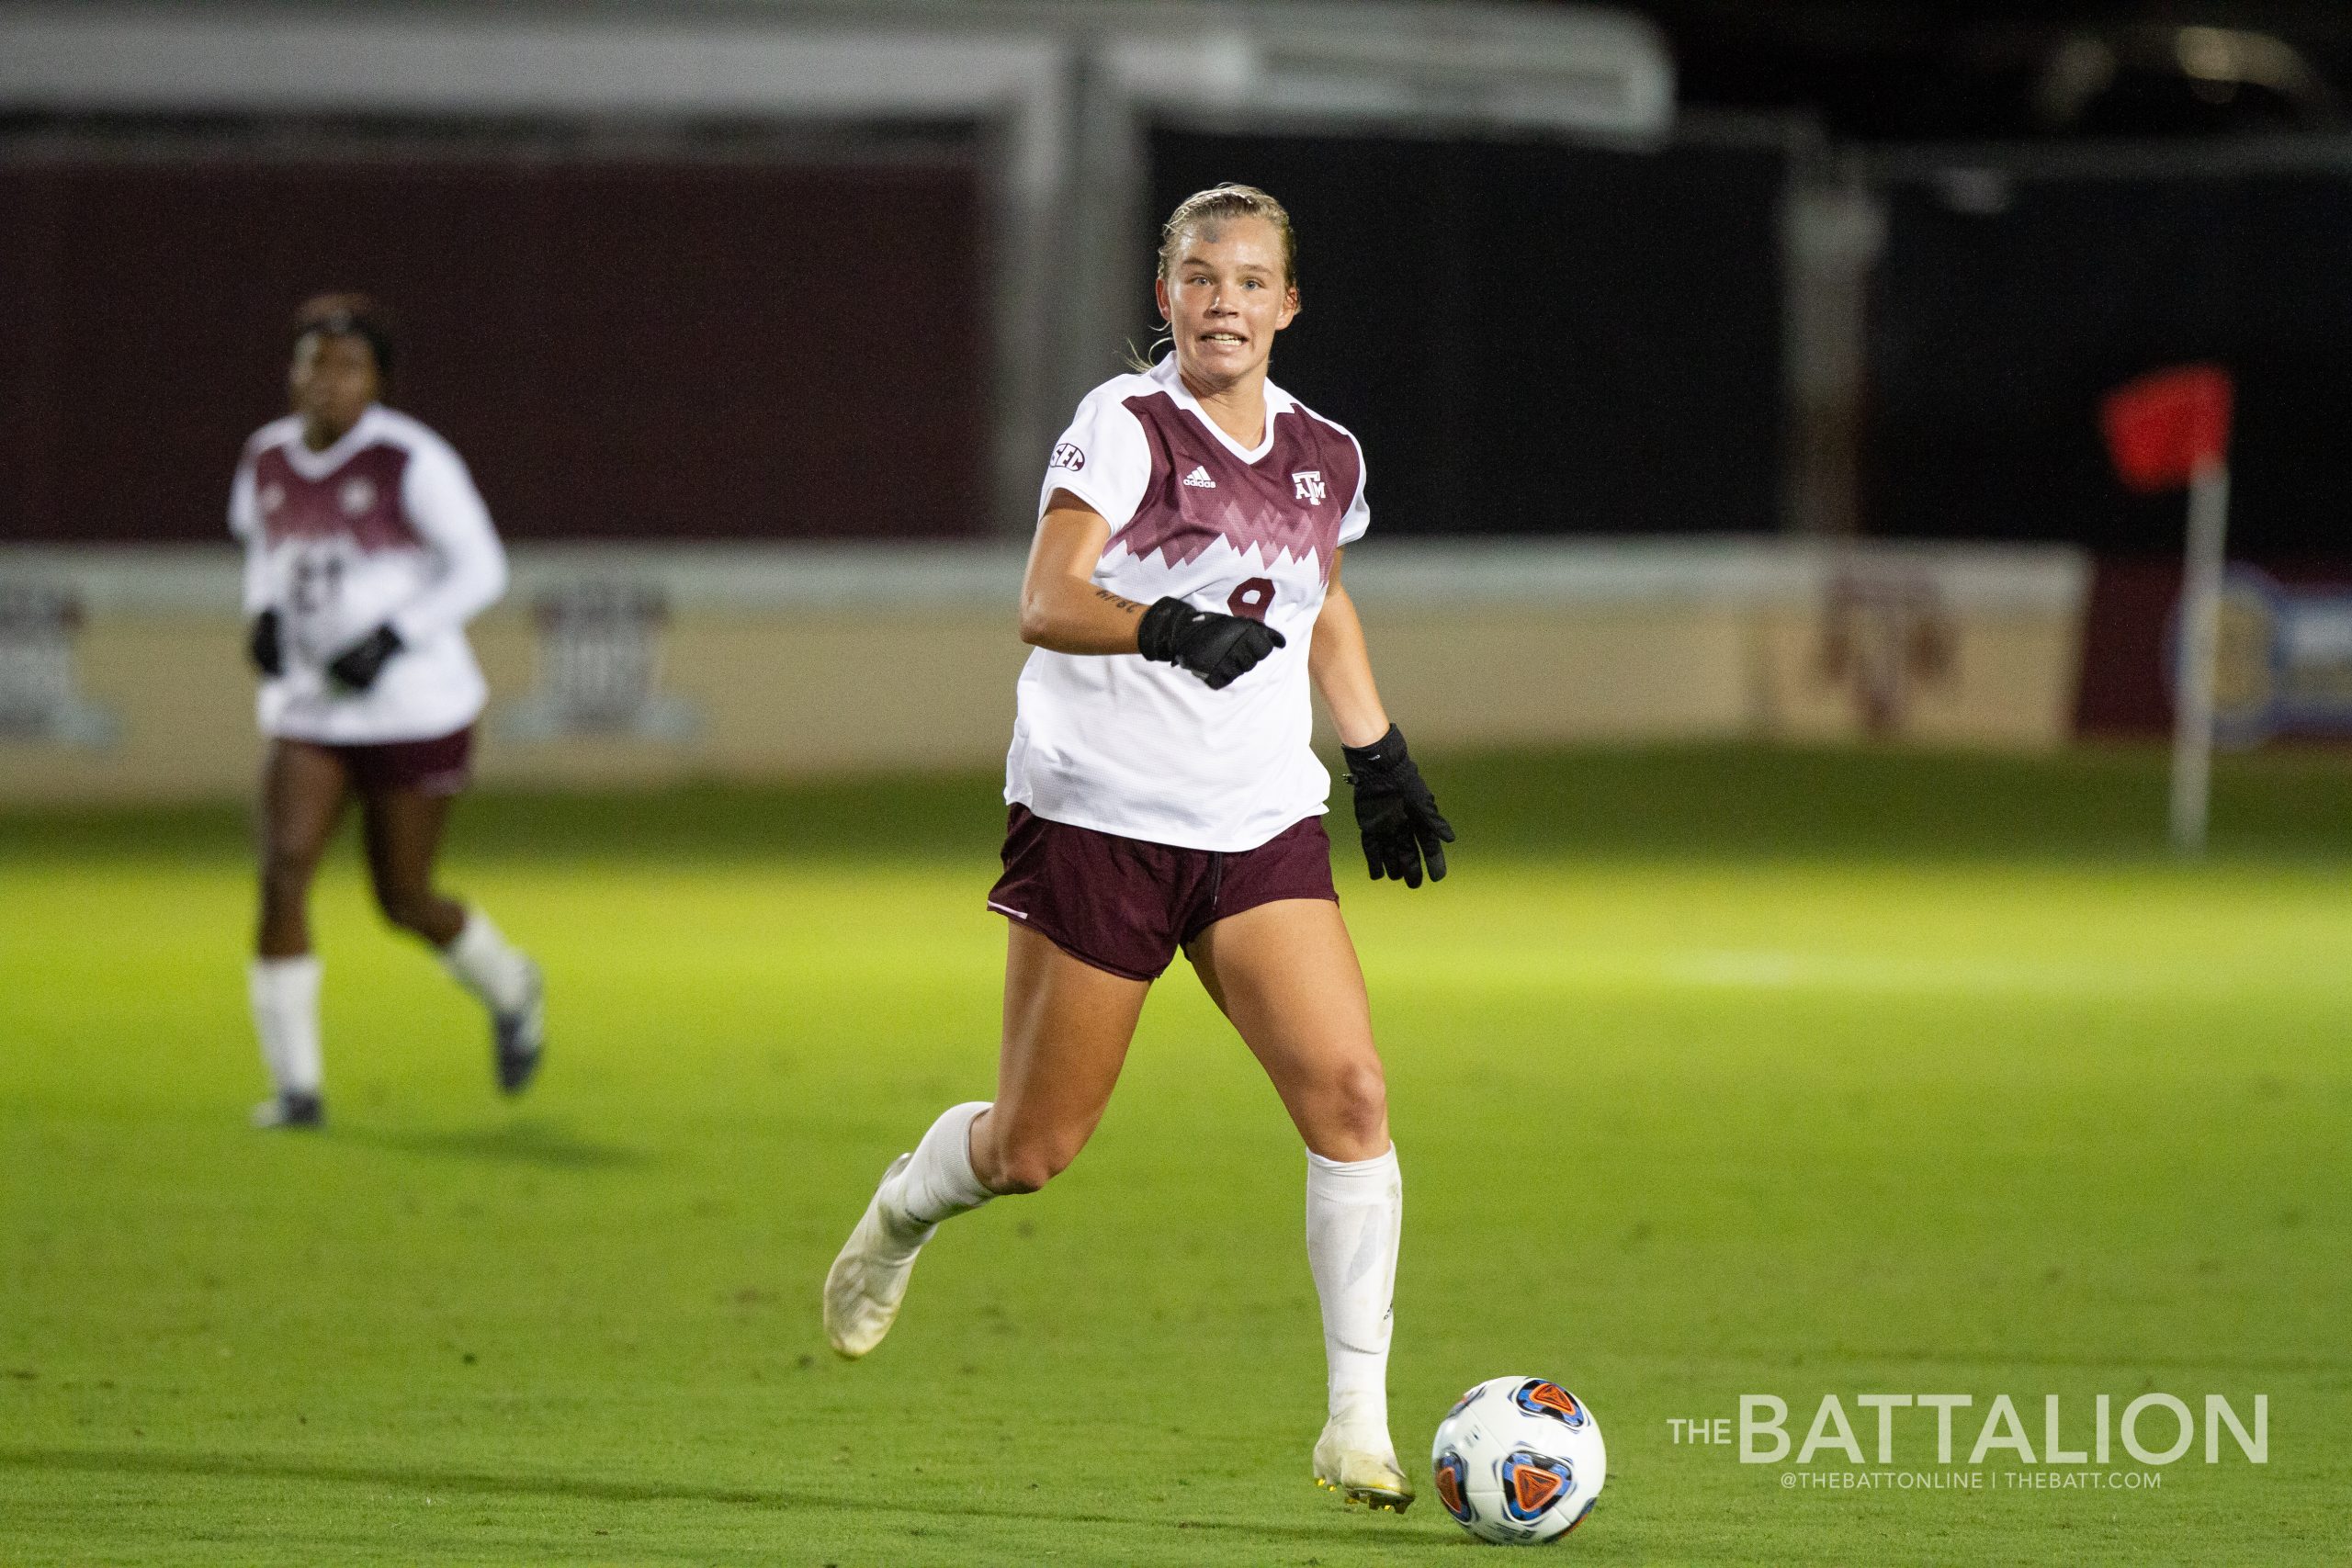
x=384, y=526
x=1146, y=750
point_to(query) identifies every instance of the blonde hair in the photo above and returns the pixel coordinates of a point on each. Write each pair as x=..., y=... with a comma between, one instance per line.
x=1210, y=207
x=1215, y=206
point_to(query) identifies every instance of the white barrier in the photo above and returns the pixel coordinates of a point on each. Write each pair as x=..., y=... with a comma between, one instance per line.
x=121, y=675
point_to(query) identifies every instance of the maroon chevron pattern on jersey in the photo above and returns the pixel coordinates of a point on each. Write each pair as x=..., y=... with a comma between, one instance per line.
x=358, y=500
x=1289, y=502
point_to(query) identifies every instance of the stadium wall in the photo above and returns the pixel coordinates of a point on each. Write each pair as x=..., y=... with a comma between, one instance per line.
x=2019, y=285
x=121, y=677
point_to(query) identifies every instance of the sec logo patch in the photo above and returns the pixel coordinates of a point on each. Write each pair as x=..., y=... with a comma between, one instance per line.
x=1068, y=457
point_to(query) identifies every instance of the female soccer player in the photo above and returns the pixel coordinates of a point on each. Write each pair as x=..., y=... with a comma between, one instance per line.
x=367, y=551
x=1182, y=591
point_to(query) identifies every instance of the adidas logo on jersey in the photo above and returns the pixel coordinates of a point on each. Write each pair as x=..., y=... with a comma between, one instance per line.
x=1199, y=479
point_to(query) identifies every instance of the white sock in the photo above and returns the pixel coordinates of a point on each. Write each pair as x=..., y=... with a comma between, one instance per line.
x=285, y=993
x=938, y=1183
x=485, y=964
x=1355, y=1213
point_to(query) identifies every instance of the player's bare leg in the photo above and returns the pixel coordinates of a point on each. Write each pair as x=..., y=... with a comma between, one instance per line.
x=403, y=829
x=1286, y=975
x=303, y=792
x=1067, y=1025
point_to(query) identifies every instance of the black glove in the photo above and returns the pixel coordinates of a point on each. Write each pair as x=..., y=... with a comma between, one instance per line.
x=1218, y=648
x=262, y=645
x=1396, y=812
x=358, y=666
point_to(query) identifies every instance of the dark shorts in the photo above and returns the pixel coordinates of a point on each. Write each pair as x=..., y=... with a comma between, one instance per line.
x=1127, y=905
x=443, y=765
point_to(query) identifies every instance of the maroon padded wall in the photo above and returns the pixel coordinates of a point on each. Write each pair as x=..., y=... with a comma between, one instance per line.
x=620, y=350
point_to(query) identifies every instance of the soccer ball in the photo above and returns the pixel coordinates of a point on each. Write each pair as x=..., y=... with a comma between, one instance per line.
x=1519, y=1461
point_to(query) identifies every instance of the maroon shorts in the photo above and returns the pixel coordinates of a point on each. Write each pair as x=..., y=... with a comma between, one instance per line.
x=1127, y=905
x=443, y=765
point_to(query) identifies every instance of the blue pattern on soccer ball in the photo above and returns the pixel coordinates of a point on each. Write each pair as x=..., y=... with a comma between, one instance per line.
x=1534, y=1484
x=1539, y=1396
x=1453, y=1486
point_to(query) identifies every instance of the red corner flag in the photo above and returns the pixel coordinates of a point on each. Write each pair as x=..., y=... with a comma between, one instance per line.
x=2165, y=430
x=2164, y=426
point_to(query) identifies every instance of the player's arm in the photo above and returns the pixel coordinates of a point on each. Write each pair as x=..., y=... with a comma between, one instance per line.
x=1064, y=609
x=1396, y=813
x=438, y=498
x=264, y=639
x=446, y=512
x=1341, y=666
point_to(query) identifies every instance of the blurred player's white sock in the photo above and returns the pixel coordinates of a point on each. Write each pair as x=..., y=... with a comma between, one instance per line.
x=938, y=1182
x=1355, y=1213
x=285, y=993
x=485, y=962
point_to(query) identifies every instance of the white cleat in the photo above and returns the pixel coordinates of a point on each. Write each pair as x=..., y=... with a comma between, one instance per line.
x=1358, y=1462
x=868, y=1280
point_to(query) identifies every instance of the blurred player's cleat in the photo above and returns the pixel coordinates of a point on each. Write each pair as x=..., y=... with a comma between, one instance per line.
x=867, y=1282
x=517, y=1036
x=290, y=1111
x=1358, y=1462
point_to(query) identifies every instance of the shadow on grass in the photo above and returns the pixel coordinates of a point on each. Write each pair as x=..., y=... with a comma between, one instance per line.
x=517, y=1143
x=454, y=1482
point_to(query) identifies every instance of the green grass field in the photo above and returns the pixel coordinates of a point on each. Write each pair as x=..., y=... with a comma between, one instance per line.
x=1714, y=1072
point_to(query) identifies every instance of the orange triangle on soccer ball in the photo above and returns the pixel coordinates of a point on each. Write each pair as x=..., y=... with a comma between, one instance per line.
x=1552, y=1396
x=1536, y=1489
x=1449, y=1490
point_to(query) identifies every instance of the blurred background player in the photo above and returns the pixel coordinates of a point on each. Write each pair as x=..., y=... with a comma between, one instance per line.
x=368, y=549
x=1183, y=590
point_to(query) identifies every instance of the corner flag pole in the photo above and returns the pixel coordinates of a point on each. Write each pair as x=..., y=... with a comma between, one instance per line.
x=2168, y=429
x=2200, y=636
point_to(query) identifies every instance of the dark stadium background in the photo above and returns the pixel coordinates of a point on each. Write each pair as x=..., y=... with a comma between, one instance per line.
x=1599, y=334
x=1601, y=361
